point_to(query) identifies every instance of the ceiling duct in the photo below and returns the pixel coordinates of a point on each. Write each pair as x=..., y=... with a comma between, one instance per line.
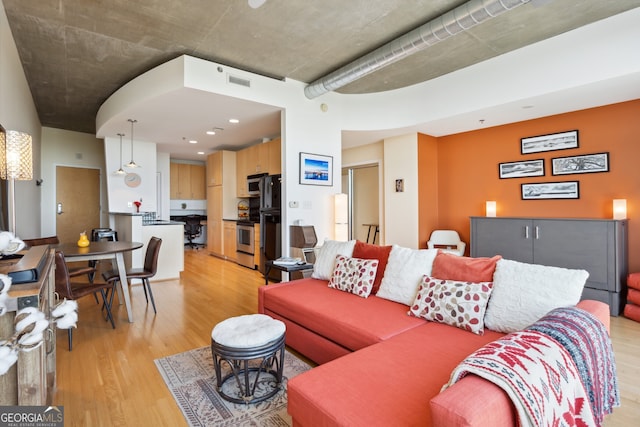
x=451, y=23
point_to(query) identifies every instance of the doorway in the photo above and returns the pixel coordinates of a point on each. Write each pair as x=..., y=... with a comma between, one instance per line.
x=362, y=186
x=77, y=201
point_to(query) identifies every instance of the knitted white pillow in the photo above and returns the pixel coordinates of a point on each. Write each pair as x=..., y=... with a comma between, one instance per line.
x=326, y=257
x=404, y=272
x=523, y=293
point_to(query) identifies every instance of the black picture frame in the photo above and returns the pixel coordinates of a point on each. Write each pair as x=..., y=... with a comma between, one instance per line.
x=550, y=190
x=521, y=169
x=584, y=163
x=551, y=142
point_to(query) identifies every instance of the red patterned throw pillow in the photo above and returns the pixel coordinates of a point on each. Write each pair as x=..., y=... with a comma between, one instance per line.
x=456, y=303
x=354, y=275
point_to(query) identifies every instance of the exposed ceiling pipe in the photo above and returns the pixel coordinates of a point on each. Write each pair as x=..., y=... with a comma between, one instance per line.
x=438, y=29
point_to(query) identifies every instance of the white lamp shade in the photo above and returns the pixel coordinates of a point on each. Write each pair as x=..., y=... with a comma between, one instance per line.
x=619, y=208
x=16, y=159
x=491, y=208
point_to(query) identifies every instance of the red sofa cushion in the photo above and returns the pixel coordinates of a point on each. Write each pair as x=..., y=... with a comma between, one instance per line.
x=339, y=316
x=466, y=269
x=368, y=251
x=389, y=383
x=633, y=281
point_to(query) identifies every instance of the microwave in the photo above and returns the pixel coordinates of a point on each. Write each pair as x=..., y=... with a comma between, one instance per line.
x=253, y=184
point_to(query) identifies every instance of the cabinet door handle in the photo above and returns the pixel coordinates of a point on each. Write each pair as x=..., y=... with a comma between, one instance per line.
x=537, y=232
x=526, y=231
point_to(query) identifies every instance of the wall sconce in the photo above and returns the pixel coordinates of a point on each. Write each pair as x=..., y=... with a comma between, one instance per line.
x=619, y=208
x=341, y=217
x=16, y=163
x=490, y=208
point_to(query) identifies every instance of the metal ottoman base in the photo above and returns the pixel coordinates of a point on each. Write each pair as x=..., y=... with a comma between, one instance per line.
x=247, y=375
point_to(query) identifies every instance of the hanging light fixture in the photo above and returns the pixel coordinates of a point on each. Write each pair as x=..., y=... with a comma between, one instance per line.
x=132, y=164
x=120, y=171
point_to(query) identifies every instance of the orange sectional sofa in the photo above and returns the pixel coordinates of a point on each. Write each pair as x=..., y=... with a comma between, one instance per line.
x=380, y=366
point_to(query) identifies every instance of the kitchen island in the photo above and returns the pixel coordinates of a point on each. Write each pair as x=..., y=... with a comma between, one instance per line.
x=130, y=227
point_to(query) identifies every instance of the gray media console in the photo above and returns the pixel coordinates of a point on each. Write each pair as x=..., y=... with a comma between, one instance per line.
x=596, y=245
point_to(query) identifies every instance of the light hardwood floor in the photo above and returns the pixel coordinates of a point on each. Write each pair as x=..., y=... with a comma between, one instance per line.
x=110, y=379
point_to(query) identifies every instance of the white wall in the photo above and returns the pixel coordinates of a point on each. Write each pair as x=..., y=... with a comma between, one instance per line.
x=163, y=178
x=73, y=149
x=119, y=195
x=18, y=112
x=401, y=209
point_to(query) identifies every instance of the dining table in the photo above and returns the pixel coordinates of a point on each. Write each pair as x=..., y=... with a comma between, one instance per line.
x=104, y=250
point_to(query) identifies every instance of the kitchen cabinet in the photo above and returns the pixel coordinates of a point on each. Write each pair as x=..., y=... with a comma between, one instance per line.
x=260, y=158
x=596, y=245
x=214, y=220
x=256, y=236
x=230, y=240
x=186, y=181
x=214, y=168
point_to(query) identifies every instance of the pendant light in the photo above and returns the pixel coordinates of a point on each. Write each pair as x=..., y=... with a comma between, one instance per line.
x=132, y=164
x=120, y=171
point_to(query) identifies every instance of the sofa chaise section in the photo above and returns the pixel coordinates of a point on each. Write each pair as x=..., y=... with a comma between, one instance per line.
x=324, y=323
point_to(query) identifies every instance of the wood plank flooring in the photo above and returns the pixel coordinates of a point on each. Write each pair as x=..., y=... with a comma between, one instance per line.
x=110, y=379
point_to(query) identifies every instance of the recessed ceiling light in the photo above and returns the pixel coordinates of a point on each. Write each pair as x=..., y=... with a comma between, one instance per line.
x=193, y=141
x=234, y=121
x=201, y=153
x=211, y=132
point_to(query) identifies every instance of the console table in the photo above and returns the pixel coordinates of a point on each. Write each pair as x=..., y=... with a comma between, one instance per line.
x=33, y=377
x=596, y=245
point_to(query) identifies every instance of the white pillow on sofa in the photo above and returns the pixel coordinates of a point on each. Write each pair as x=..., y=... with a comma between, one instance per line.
x=404, y=272
x=326, y=257
x=523, y=293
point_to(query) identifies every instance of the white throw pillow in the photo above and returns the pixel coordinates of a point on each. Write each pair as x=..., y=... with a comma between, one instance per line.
x=523, y=293
x=326, y=257
x=404, y=272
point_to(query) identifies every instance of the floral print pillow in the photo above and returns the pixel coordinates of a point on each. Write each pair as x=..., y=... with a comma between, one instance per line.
x=354, y=275
x=454, y=302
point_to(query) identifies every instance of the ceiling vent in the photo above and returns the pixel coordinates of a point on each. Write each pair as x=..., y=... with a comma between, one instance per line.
x=238, y=81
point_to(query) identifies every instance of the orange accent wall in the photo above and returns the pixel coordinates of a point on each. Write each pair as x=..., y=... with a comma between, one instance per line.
x=427, y=187
x=468, y=171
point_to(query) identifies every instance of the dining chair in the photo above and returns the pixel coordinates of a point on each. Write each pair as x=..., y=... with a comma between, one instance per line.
x=145, y=273
x=65, y=288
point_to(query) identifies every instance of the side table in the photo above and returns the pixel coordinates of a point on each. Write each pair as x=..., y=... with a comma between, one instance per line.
x=286, y=268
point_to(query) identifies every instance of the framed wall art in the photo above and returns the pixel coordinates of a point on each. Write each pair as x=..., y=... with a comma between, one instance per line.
x=521, y=169
x=551, y=190
x=586, y=163
x=316, y=169
x=552, y=142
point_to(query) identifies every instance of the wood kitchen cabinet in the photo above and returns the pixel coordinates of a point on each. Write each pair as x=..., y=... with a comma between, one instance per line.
x=214, y=220
x=596, y=245
x=260, y=158
x=187, y=181
x=230, y=240
x=214, y=169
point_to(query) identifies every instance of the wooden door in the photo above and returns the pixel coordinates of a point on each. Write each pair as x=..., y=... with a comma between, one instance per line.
x=78, y=193
x=214, y=220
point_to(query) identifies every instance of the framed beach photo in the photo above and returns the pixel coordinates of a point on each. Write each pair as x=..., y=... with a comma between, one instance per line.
x=587, y=163
x=551, y=190
x=521, y=169
x=552, y=142
x=316, y=169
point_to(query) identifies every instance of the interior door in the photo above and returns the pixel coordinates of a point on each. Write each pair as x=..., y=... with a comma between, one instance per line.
x=77, y=202
x=361, y=185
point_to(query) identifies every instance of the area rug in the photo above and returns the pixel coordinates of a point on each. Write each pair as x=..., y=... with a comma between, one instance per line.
x=191, y=379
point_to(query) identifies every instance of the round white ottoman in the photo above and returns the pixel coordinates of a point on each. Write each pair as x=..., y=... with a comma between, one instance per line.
x=251, y=345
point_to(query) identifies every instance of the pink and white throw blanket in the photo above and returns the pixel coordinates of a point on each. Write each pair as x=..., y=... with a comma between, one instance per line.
x=538, y=375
